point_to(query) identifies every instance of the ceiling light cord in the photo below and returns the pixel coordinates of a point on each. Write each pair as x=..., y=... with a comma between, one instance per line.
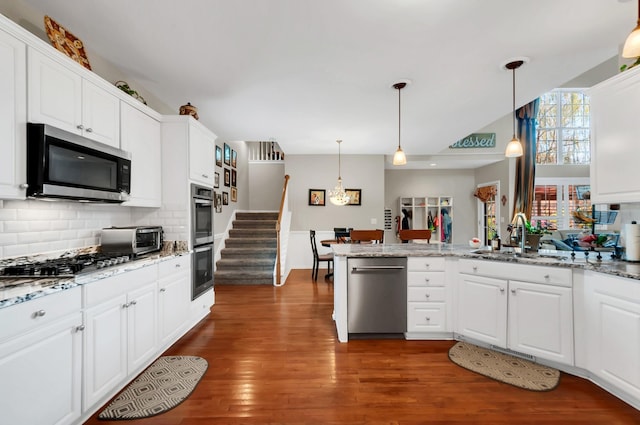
x=514, y=147
x=399, y=114
x=513, y=91
x=399, y=158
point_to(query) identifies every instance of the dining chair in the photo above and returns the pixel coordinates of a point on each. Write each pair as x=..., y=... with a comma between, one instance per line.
x=407, y=235
x=376, y=236
x=341, y=234
x=318, y=258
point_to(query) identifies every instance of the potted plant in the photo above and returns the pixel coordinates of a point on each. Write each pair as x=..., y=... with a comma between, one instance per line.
x=534, y=234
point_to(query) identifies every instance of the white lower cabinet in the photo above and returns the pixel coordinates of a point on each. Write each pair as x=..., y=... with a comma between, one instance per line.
x=121, y=330
x=426, y=295
x=612, y=328
x=41, y=359
x=535, y=317
x=174, y=298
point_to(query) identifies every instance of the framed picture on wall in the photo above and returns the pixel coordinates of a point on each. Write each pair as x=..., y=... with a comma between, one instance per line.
x=354, y=196
x=227, y=177
x=234, y=175
x=216, y=180
x=316, y=197
x=218, y=156
x=218, y=202
x=234, y=158
x=234, y=194
x=227, y=154
x=225, y=198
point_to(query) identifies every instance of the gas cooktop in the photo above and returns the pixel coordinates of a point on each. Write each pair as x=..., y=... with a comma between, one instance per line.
x=64, y=267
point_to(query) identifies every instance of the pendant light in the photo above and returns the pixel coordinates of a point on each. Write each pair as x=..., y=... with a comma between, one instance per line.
x=338, y=196
x=399, y=157
x=631, y=47
x=514, y=147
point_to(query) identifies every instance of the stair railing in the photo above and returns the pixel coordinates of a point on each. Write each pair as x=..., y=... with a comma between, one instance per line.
x=284, y=221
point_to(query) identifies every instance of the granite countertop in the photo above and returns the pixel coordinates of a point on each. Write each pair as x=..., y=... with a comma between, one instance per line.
x=21, y=289
x=543, y=258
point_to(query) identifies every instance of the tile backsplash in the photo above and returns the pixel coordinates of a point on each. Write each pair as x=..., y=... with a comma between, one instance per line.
x=37, y=227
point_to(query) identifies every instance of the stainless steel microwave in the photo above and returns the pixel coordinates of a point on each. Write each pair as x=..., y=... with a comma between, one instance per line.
x=64, y=165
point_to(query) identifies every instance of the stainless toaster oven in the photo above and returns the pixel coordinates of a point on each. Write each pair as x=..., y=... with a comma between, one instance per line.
x=132, y=240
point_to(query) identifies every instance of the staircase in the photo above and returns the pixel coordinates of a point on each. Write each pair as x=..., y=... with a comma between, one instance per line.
x=249, y=255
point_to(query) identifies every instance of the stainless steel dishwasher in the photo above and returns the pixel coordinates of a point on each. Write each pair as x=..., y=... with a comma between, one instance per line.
x=377, y=295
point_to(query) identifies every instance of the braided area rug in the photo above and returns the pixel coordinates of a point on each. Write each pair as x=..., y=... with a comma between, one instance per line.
x=504, y=368
x=161, y=387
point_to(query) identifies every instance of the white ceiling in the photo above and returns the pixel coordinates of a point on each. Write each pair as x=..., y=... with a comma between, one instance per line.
x=308, y=72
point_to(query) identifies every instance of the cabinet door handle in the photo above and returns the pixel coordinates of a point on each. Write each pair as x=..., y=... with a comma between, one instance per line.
x=426, y=279
x=79, y=328
x=126, y=305
x=427, y=265
x=134, y=302
x=80, y=127
x=206, y=176
x=502, y=290
x=426, y=295
x=178, y=265
x=546, y=276
x=513, y=291
x=475, y=268
x=163, y=290
x=89, y=130
x=39, y=313
x=24, y=186
x=428, y=318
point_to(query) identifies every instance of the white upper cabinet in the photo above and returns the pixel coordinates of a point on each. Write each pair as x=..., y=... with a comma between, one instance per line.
x=615, y=106
x=13, y=117
x=202, y=147
x=64, y=99
x=142, y=137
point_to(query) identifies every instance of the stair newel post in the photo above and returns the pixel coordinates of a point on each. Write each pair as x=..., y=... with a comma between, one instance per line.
x=282, y=203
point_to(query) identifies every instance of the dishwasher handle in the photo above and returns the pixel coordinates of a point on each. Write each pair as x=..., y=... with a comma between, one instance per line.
x=357, y=268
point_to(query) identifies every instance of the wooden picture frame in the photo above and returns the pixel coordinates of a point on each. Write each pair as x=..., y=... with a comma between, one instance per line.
x=227, y=177
x=227, y=154
x=355, y=196
x=234, y=176
x=216, y=180
x=218, y=202
x=234, y=158
x=225, y=198
x=317, y=197
x=234, y=194
x=218, y=156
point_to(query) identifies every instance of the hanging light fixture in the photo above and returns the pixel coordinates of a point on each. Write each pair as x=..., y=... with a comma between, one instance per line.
x=399, y=158
x=338, y=196
x=514, y=147
x=631, y=47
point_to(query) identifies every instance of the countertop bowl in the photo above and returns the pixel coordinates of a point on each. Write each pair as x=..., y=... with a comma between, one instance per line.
x=474, y=245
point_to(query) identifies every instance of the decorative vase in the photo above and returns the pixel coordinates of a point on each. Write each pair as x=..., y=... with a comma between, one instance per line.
x=533, y=240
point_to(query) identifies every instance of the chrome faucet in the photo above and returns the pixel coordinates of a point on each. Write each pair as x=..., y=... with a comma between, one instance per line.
x=523, y=218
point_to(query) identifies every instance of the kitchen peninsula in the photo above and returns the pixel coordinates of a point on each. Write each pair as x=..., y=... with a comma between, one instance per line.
x=580, y=315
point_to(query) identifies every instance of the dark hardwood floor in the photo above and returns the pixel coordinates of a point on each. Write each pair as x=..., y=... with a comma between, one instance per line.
x=274, y=359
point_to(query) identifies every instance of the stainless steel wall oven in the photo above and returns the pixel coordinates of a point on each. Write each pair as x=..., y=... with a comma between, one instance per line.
x=201, y=239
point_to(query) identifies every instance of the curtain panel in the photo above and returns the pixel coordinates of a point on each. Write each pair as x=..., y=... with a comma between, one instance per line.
x=526, y=164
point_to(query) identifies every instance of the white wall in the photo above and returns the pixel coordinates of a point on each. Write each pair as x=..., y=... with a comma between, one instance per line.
x=265, y=185
x=221, y=220
x=365, y=172
x=459, y=184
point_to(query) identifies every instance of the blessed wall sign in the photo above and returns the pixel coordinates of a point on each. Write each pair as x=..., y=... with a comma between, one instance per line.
x=475, y=141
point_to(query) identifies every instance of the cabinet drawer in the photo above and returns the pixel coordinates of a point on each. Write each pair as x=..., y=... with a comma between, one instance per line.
x=426, y=294
x=110, y=287
x=426, y=317
x=560, y=276
x=425, y=278
x=24, y=317
x=174, y=265
x=425, y=264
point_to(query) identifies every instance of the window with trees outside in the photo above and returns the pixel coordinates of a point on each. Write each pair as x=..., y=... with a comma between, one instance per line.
x=563, y=128
x=556, y=201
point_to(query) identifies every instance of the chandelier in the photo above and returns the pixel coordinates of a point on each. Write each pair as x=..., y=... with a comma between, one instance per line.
x=338, y=196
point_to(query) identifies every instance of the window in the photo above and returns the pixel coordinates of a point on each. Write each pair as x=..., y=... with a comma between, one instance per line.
x=556, y=201
x=563, y=128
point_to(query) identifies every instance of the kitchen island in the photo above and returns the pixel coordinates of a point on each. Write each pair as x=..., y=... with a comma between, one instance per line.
x=579, y=314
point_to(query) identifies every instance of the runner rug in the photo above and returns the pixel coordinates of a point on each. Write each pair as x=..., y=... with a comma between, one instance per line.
x=504, y=368
x=161, y=387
